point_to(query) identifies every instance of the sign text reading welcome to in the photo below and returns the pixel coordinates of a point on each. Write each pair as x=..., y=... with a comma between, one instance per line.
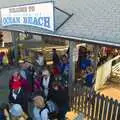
x=40, y=15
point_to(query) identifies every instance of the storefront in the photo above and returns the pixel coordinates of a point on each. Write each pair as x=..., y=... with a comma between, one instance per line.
x=77, y=20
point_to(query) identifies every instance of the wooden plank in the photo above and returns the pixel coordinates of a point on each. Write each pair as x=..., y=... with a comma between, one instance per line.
x=105, y=109
x=82, y=102
x=84, y=98
x=79, y=102
x=89, y=106
x=97, y=106
x=115, y=110
x=78, y=109
x=78, y=94
x=118, y=114
x=75, y=102
x=81, y=93
x=70, y=96
x=93, y=105
x=77, y=98
x=86, y=93
x=110, y=109
x=101, y=107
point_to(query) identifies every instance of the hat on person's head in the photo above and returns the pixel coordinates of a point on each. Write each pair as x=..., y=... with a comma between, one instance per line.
x=16, y=110
x=45, y=72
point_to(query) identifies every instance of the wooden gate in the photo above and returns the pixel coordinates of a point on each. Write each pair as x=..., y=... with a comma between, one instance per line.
x=93, y=105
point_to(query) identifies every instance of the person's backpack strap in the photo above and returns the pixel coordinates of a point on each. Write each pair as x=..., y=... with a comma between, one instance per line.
x=46, y=107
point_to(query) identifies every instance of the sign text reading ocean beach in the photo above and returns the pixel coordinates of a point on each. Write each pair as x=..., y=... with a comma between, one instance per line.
x=40, y=15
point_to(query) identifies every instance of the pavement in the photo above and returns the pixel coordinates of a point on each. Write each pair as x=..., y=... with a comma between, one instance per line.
x=5, y=75
x=112, y=90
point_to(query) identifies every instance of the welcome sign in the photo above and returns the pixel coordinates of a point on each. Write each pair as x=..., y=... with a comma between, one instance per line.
x=39, y=15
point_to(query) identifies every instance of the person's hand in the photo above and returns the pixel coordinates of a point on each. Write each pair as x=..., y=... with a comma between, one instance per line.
x=6, y=114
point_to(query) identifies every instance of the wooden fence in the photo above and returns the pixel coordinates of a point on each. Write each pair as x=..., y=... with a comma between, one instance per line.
x=93, y=105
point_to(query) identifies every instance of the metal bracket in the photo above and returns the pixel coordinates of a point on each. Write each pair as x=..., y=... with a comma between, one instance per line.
x=69, y=16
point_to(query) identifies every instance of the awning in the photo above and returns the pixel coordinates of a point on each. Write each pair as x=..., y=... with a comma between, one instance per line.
x=96, y=21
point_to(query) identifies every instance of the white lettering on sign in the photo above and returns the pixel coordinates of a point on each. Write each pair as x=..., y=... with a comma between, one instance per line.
x=40, y=15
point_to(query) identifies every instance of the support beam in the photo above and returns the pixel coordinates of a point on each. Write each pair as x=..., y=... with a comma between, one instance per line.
x=96, y=50
x=15, y=37
x=72, y=47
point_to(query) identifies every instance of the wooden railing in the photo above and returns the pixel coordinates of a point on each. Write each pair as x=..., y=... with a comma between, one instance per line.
x=103, y=74
x=93, y=105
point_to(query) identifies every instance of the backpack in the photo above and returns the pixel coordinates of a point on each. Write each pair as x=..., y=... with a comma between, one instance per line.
x=52, y=110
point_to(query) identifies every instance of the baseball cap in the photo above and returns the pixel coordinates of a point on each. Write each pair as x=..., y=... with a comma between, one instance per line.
x=16, y=110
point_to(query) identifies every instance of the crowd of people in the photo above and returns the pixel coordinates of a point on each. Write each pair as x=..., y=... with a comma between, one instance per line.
x=40, y=88
x=44, y=89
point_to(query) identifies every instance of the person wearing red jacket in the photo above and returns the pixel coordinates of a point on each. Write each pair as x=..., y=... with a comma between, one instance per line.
x=15, y=81
x=17, y=93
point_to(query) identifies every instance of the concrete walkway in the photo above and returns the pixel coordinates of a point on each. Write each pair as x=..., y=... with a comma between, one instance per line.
x=5, y=75
x=112, y=90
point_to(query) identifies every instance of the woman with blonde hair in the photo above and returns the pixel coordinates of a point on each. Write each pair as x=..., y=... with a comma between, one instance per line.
x=40, y=110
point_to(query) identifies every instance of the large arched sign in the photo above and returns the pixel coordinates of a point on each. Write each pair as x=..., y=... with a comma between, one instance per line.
x=40, y=15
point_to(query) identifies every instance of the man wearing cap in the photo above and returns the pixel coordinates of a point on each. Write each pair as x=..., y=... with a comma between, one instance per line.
x=16, y=112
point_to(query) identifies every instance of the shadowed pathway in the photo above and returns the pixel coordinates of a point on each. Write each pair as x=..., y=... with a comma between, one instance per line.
x=5, y=75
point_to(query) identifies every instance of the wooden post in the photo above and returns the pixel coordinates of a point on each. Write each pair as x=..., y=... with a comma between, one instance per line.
x=15, y=36
x=72, y=46
x=96, y=50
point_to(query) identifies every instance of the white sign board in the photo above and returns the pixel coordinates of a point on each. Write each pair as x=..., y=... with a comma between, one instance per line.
x=39, y=15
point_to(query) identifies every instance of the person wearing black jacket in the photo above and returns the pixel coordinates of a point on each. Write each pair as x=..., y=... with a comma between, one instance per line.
x=18, y=97
x=55, y=57
x=59, y=95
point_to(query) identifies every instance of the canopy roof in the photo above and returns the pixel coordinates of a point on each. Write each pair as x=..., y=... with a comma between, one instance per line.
x=96, y=21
